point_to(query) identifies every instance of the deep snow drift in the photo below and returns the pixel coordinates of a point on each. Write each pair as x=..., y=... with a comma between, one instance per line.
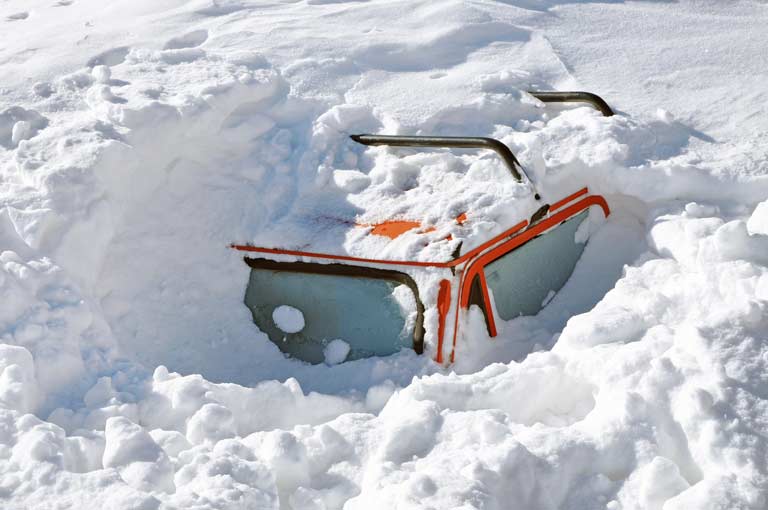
x=138, y=139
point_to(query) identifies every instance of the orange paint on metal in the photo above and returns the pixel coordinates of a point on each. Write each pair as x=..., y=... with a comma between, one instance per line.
x=486, y=244
x=461, y=218
x=488, y=307
x=569, y=198
x=394, y=228
x=443, y=305
x=450, y=263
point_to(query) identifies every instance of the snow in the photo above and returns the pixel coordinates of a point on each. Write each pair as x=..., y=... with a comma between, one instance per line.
x=757, y=224
x=336, y=351
x=288, y=319
x=139, y=139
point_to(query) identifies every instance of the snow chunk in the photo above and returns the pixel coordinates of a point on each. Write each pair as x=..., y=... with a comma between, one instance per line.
x=653, y=484
x=142, y=464
x=43, y=89
x=351, y=181
x=696, y=210
x=102, y=74
x=22, y=130
x=336, y=351
x=18, y=386
x=212, y=422
x=758, y=222
x=171, y=441
x=287, y=456
x=223, y=481
x=288, y=319
x=17, y=124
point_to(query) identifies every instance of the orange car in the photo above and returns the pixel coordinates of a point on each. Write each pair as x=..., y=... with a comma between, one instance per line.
x=376, y=307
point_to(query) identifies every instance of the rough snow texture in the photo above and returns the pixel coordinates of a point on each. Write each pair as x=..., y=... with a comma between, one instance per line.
x=138, y=139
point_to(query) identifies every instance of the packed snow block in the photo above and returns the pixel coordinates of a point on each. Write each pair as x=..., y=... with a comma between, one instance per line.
x=720, y=490
x=18, y=386
x=734, y=242
x=179, y=403
x=758, y=221
x=17, y=124
x=761, y=288
x=213, y=422
x=410, y=430
x=142, y=464
x=38, y=442
x=101, y=394
x=336, y=352
x=287, y=457
x=224, y=480
x=617, y=324
x=172, y=442
x=35, y=444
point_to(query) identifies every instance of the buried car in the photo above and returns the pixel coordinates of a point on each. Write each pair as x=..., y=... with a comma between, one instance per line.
x=318, y=306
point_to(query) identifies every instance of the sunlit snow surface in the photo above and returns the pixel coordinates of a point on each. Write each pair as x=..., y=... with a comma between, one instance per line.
x=139, y=138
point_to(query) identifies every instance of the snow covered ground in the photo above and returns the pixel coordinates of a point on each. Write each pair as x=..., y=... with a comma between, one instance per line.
x=139, y=138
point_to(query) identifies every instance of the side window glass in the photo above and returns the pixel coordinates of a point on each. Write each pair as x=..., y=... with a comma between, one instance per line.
x=524, y=280
x=304, y=313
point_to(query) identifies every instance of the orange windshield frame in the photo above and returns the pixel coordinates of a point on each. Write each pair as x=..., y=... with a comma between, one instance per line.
x=476, y=267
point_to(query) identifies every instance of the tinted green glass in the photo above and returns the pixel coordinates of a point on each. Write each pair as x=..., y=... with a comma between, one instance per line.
x=371, y=315
x=522, y=280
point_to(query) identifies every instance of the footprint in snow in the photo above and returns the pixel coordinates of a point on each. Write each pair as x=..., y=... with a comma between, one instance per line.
x=182, y=55
x=111, y=57
x=17, y=17
x=63, y=3
x=189, y=40
x=221, y=8
x=43, y=89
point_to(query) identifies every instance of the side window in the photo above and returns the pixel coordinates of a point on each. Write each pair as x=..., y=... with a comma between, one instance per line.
x=524, y=280
x=302, y=313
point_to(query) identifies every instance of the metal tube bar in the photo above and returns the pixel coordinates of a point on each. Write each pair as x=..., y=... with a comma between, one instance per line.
x=574, y=97
x=450, y=142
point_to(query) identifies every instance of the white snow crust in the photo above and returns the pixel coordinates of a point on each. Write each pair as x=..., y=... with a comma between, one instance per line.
x=288, y=318
x=336, y=351
x=138, y=139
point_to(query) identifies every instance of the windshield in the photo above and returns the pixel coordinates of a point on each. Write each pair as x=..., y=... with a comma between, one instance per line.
x=524, y=280
x=333, y=314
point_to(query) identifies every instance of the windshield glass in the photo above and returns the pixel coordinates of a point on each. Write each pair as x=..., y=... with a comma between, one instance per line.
x=331, y=318
x=524, y=280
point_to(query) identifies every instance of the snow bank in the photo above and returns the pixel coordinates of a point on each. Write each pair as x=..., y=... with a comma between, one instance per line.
x=137, y=141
